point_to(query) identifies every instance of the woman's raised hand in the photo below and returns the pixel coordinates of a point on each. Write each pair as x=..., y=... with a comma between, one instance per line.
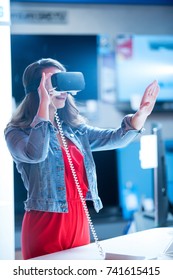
x=149, y=99
x=42, y=91
x=146, y=106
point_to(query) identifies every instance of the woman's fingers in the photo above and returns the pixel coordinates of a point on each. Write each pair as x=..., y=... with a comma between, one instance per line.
x=149, y=97
x=42, y=91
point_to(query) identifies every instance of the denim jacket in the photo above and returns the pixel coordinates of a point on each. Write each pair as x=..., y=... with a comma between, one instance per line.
x=38, y=157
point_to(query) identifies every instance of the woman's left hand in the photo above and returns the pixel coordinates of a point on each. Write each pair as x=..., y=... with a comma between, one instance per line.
x=146, y=106
x=149, y=99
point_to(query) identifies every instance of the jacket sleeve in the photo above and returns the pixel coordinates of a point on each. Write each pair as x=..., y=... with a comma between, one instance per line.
x=106, y=139
x=29, y=145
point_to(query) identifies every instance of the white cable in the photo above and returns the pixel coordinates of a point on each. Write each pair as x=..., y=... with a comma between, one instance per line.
x=78, y=185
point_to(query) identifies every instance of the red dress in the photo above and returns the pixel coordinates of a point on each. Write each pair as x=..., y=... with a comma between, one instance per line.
x=49, y=232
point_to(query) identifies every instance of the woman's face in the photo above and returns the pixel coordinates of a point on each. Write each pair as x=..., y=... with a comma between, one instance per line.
x=58, y=98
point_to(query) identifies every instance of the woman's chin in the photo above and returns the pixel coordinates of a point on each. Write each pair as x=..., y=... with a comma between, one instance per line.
x=58, y=104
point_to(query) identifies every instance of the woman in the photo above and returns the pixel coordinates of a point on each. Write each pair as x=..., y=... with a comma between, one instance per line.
x=54, y=217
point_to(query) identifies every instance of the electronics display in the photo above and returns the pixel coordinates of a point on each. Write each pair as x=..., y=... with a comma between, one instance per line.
x=78, y=53
x=160, y=180
x=153, y=156
x=141, y=59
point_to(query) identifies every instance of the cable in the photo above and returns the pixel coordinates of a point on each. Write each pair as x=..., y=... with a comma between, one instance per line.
x=100, y=249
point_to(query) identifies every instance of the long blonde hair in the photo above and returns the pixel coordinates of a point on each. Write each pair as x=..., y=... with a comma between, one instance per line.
x=27, y=109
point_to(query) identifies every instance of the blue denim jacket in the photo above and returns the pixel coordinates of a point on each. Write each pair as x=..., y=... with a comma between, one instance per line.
x=39, y=160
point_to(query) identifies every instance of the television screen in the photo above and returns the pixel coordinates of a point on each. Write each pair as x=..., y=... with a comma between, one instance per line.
x=141, y=59
x=75, y=52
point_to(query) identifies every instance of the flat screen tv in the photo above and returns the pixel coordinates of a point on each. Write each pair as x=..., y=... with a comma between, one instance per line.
x=140, y=59
x=75, y=52
x=153, y=156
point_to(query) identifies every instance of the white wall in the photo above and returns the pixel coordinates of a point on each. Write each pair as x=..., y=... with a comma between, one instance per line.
x=6, y=166
x=103, y=19
x=96, y=19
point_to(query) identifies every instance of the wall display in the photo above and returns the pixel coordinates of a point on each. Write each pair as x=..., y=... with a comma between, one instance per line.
x=76, y=52
x=140, y=59
x=160, y=180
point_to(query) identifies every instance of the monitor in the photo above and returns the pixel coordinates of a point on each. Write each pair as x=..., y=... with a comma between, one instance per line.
x=77, y=53
x=141, y=59
x=160, y=180
x=153, y=156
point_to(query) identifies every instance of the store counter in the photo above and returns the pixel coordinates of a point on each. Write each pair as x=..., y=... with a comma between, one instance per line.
x=156, y=243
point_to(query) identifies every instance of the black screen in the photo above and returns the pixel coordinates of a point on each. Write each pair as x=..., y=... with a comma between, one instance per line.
x=76, y=52
x=160, y=180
